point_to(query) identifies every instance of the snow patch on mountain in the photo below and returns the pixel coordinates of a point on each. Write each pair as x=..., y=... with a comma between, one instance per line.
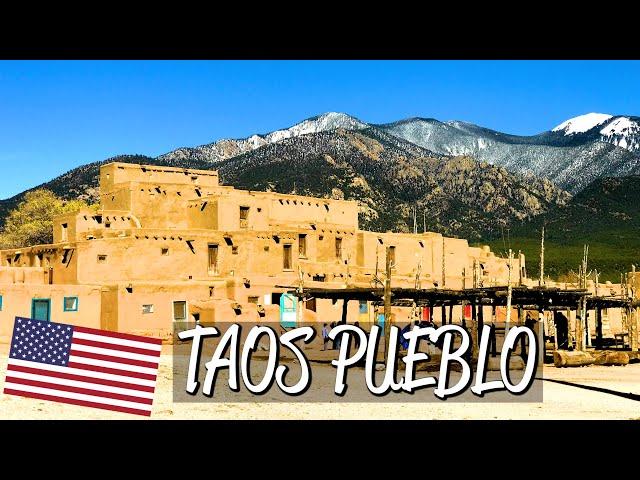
x=622, y=132
x=582, y=123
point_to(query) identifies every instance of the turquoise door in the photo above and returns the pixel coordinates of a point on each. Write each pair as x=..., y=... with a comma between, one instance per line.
x=288, y=310
x=41, y=309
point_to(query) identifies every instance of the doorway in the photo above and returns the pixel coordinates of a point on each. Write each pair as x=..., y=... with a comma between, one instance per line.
x=41, y=309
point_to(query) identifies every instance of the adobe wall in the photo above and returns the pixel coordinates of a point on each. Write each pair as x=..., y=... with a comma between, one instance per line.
x=116, y=173
x=17, y=301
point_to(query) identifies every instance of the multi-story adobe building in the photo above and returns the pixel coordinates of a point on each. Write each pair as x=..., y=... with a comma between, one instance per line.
x=171, y=244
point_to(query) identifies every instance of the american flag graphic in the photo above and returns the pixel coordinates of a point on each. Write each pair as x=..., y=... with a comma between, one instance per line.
x=82, y=366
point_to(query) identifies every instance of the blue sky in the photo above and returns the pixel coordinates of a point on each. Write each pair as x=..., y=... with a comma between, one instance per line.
x=56, y=115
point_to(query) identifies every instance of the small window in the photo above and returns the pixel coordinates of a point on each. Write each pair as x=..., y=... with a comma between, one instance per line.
x=147, y=309
x=164, y=251
x=179, y=310
x=392, y=255
x=70, y=304
x=244, y=213
x=17, y=256
x=339, y=247
x=101, y=259
x=64, y=234
x=213, y=258
x=302, y=245
x=66, y=256
x=234, y=250
x=98, y=219
x=254, y=300
x=212, y=290
x=107, y=225
x=275, y=298
x=287, y=263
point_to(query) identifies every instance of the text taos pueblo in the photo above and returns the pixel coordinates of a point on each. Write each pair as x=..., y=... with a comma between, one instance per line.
x=230, y=354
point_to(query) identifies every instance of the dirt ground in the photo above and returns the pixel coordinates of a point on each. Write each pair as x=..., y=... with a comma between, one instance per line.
x=575, y=399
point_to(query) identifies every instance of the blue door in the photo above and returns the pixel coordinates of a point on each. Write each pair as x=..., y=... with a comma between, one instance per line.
x=41, y=309
x=288, y=310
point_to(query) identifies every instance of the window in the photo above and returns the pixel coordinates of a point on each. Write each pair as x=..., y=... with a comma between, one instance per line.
x=102, y=259
x=147, y=309
x=179, y=310
x=252, y=299
x=164, y=251
x=275, y=298
x=287, y=263
x=16, y=258
x=234, y=250
x=363, y=307
x=244, y=217
x=66, y=256
x=392, y=256
x=213, y=258
x=64, y=235
x=70, y=304
x=338, y=247
x=302, y=245
x=107, y=225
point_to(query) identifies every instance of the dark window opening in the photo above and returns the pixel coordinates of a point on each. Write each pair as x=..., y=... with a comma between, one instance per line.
x=213, y=258
x=254, y=300
x=190, y=245
x=211, y=291
x=321, y=277
x=228, y=241
x=302, y=245
x=101, y=258
x=392, y=255
x=98, y=219
x=287, y=261
x=338, y=247
x=311, y=304
x=164, y=251
x=234, y=250
x=275, y=298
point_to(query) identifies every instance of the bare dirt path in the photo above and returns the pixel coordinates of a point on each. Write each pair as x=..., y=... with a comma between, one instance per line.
x=561, y=401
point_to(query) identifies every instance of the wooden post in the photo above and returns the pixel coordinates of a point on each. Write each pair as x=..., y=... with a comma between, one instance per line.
x=444, y=272
x=541, y=345
x=480, y=321
x=443, y=315
x=474, y=330
x=387, y=302
x=633, y=328
x=519, y=268
x=598, y=327
x=509, y=294
x=450, y=314
x=541, y=279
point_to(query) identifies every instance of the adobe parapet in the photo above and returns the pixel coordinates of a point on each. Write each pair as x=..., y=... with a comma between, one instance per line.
x=116, y=173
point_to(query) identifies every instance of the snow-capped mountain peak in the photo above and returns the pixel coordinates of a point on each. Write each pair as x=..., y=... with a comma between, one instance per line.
x=321, y=123
x=582, y=123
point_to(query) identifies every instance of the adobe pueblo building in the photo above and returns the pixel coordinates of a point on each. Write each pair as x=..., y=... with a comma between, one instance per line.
x=171, y=244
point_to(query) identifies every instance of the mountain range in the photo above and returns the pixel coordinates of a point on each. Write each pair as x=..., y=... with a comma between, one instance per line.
x=462, y=179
